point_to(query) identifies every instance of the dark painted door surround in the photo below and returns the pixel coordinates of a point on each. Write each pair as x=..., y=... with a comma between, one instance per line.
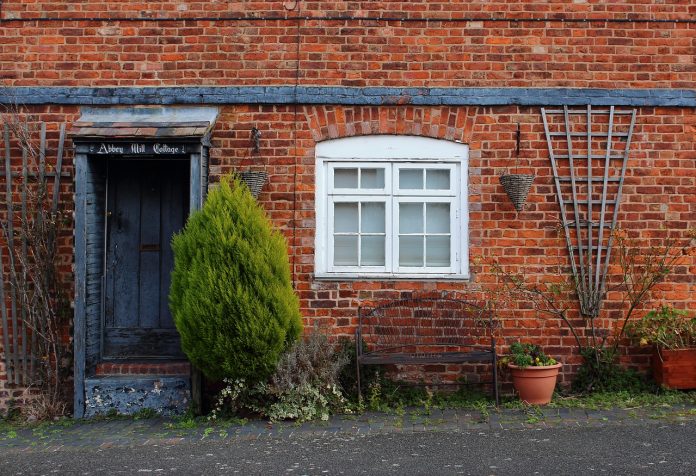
x=139, y=171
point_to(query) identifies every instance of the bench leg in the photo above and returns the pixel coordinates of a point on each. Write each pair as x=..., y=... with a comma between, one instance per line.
x=357, y=376
x=357, y=369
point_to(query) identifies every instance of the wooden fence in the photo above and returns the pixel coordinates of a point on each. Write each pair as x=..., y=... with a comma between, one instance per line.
x=18, y=340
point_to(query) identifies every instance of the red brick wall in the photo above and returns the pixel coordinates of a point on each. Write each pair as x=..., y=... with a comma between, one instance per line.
x=670, y=9
x=349, y=52
x=659, y=198
x=658, y=201
x=617, y=49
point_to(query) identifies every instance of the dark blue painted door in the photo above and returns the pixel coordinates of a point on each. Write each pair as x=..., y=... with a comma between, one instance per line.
x=147, y=202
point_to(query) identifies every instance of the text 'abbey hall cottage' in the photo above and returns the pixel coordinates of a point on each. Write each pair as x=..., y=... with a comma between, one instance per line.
x=384, y=128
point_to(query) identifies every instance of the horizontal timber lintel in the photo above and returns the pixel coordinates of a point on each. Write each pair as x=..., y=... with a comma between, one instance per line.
x=115, y=96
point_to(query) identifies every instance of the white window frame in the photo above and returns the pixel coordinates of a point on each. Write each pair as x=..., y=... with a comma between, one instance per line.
x=352, y=199
x=394, y=152
x=454, y=237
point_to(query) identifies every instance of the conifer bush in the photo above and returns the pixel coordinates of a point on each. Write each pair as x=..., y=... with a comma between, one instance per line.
x=231, y=294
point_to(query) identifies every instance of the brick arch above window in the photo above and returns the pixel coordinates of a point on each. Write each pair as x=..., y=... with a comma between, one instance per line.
x=452, y=123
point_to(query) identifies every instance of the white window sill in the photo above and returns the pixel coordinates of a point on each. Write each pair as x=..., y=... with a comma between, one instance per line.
x=389, y=277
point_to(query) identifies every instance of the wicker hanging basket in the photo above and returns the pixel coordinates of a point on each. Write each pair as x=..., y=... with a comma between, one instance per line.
x=517, y=187
x=253, y=180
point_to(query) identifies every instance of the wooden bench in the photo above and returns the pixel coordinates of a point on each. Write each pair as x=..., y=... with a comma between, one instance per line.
x=423, y=330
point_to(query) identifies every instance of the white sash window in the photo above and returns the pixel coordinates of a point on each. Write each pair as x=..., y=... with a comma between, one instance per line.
x=391, y=206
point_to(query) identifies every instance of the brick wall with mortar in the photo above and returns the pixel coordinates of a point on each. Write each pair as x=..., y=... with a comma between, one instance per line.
x=499, y=45
x=631, y=44
x=658, y=200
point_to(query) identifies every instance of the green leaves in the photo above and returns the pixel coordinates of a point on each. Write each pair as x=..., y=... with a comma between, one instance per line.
x=231, y=294
x=529, y=355
x=666, y=327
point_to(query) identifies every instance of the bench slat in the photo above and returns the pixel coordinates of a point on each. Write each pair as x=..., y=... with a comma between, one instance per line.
x=425, y=358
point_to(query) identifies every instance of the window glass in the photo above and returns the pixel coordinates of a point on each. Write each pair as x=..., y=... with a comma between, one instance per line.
x=437, y=217
x=346, y=178
x=372, y=217
x=372, y=178
x=437, y=251
x=410, y=218
x=411, y=251
x=346, y=218
x=411, y=179
x=345, y=250
x=372, y=250
x=437, y=179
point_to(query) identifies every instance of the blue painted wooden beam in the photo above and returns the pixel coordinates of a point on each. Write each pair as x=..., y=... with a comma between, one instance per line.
x=80, y=322
x=122, y=96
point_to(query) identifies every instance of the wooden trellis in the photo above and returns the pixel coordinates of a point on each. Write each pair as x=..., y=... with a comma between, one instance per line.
x=17, y=341
x=589, y=151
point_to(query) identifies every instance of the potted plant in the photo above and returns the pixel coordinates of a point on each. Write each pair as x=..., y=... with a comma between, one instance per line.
x=673, y=335
x=534, y=373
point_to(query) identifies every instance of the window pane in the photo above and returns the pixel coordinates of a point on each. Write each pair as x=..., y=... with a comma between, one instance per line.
x=372, y=251
x=411, y=251
x=346, y=217
x=372, y=217
x=437, y=217
x=437, y=179
x=372, y=178
x=411, y=179
x=345, y=178
x=438, y=251
x=345, y=250
x=410, y=218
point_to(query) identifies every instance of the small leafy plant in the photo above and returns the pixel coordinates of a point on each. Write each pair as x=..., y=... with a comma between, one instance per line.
x=665, y=327
x=305, y=385
x=524, y=354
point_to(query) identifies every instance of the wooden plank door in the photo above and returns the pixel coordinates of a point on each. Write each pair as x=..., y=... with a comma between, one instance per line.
x=147, y=203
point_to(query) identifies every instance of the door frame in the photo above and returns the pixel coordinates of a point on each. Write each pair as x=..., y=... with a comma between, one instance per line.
x=89, y=231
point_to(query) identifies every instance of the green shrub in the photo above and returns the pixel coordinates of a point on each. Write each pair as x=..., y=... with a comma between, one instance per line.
x=231, y=294
x=305, y=385
x=600, y=372
x=306, y=403
x=310, y=361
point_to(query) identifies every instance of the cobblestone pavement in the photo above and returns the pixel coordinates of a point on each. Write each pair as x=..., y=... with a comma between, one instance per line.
x=138, y=432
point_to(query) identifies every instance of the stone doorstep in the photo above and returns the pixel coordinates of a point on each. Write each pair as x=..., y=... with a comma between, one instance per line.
x=128, y=394
x=142, y=368
x=131, y=386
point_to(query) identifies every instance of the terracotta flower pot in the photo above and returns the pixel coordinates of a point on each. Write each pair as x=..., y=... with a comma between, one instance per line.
x=675, y=368
x=535, y=384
